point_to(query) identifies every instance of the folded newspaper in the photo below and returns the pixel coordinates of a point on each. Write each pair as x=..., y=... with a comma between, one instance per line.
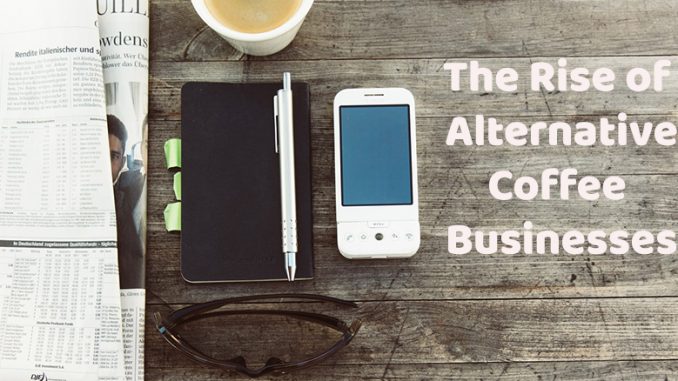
x=73, y=127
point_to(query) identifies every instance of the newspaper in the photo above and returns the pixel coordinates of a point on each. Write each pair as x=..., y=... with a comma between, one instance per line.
x=60, y=308
x=124, y=28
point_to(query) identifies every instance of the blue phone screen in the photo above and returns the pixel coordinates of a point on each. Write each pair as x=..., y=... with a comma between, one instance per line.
x=376, y=168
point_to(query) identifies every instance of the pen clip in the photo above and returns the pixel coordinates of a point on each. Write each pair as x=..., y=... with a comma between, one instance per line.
x=275, y=121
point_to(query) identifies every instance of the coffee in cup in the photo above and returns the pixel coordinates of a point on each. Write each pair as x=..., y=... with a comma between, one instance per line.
x=256, y=27
x=252, y=16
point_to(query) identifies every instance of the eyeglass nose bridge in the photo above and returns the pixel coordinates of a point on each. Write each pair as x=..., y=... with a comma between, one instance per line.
x=270, y=366
x=273, y=361
x=239, y=360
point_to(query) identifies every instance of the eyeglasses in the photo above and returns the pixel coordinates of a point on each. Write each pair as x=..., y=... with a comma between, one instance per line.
x=167, y=328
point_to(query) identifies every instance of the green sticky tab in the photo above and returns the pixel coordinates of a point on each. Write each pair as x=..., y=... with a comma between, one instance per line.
x=177, y=185
x=173, y=153
x=173, y=217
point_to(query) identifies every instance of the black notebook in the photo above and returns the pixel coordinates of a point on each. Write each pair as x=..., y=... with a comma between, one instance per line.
x=231, y=217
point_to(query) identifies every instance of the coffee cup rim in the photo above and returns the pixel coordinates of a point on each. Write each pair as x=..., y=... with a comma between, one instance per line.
x=212, y=22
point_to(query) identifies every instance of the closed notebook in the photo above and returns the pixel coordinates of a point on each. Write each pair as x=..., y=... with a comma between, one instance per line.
x=231, y=217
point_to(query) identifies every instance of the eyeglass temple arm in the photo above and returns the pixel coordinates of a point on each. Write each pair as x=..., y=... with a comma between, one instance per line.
x=326, y=320
x=184, y=313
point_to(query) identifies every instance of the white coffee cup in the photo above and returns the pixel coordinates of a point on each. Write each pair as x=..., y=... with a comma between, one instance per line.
x=257, y=44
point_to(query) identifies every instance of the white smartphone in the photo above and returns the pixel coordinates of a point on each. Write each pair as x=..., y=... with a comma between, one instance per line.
x=376, y=173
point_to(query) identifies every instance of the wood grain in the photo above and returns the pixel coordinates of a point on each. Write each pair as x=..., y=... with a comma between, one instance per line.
x=433, y=274
x=438, y=28
x=537, y=371
x=453, y=190
x=440, y=162
x=439, y=316
x=430, y=85
x=443, y=332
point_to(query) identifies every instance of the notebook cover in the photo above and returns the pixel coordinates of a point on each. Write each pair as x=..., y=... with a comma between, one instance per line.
x=231, y=218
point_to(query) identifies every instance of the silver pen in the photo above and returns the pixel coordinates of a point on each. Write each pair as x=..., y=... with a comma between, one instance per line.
x=284, y=134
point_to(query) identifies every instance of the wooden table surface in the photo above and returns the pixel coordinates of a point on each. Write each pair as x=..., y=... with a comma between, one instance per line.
x=437, y=315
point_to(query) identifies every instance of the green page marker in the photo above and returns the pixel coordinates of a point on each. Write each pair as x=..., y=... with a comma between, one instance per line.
x=173, y=153
x=177, y=185
x=173, y=217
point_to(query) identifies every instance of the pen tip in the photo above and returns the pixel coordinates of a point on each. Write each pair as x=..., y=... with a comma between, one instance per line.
x=290, y=265
x=290, y=270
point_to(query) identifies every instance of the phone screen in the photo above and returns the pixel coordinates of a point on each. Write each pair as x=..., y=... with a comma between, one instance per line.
x=376, y=168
